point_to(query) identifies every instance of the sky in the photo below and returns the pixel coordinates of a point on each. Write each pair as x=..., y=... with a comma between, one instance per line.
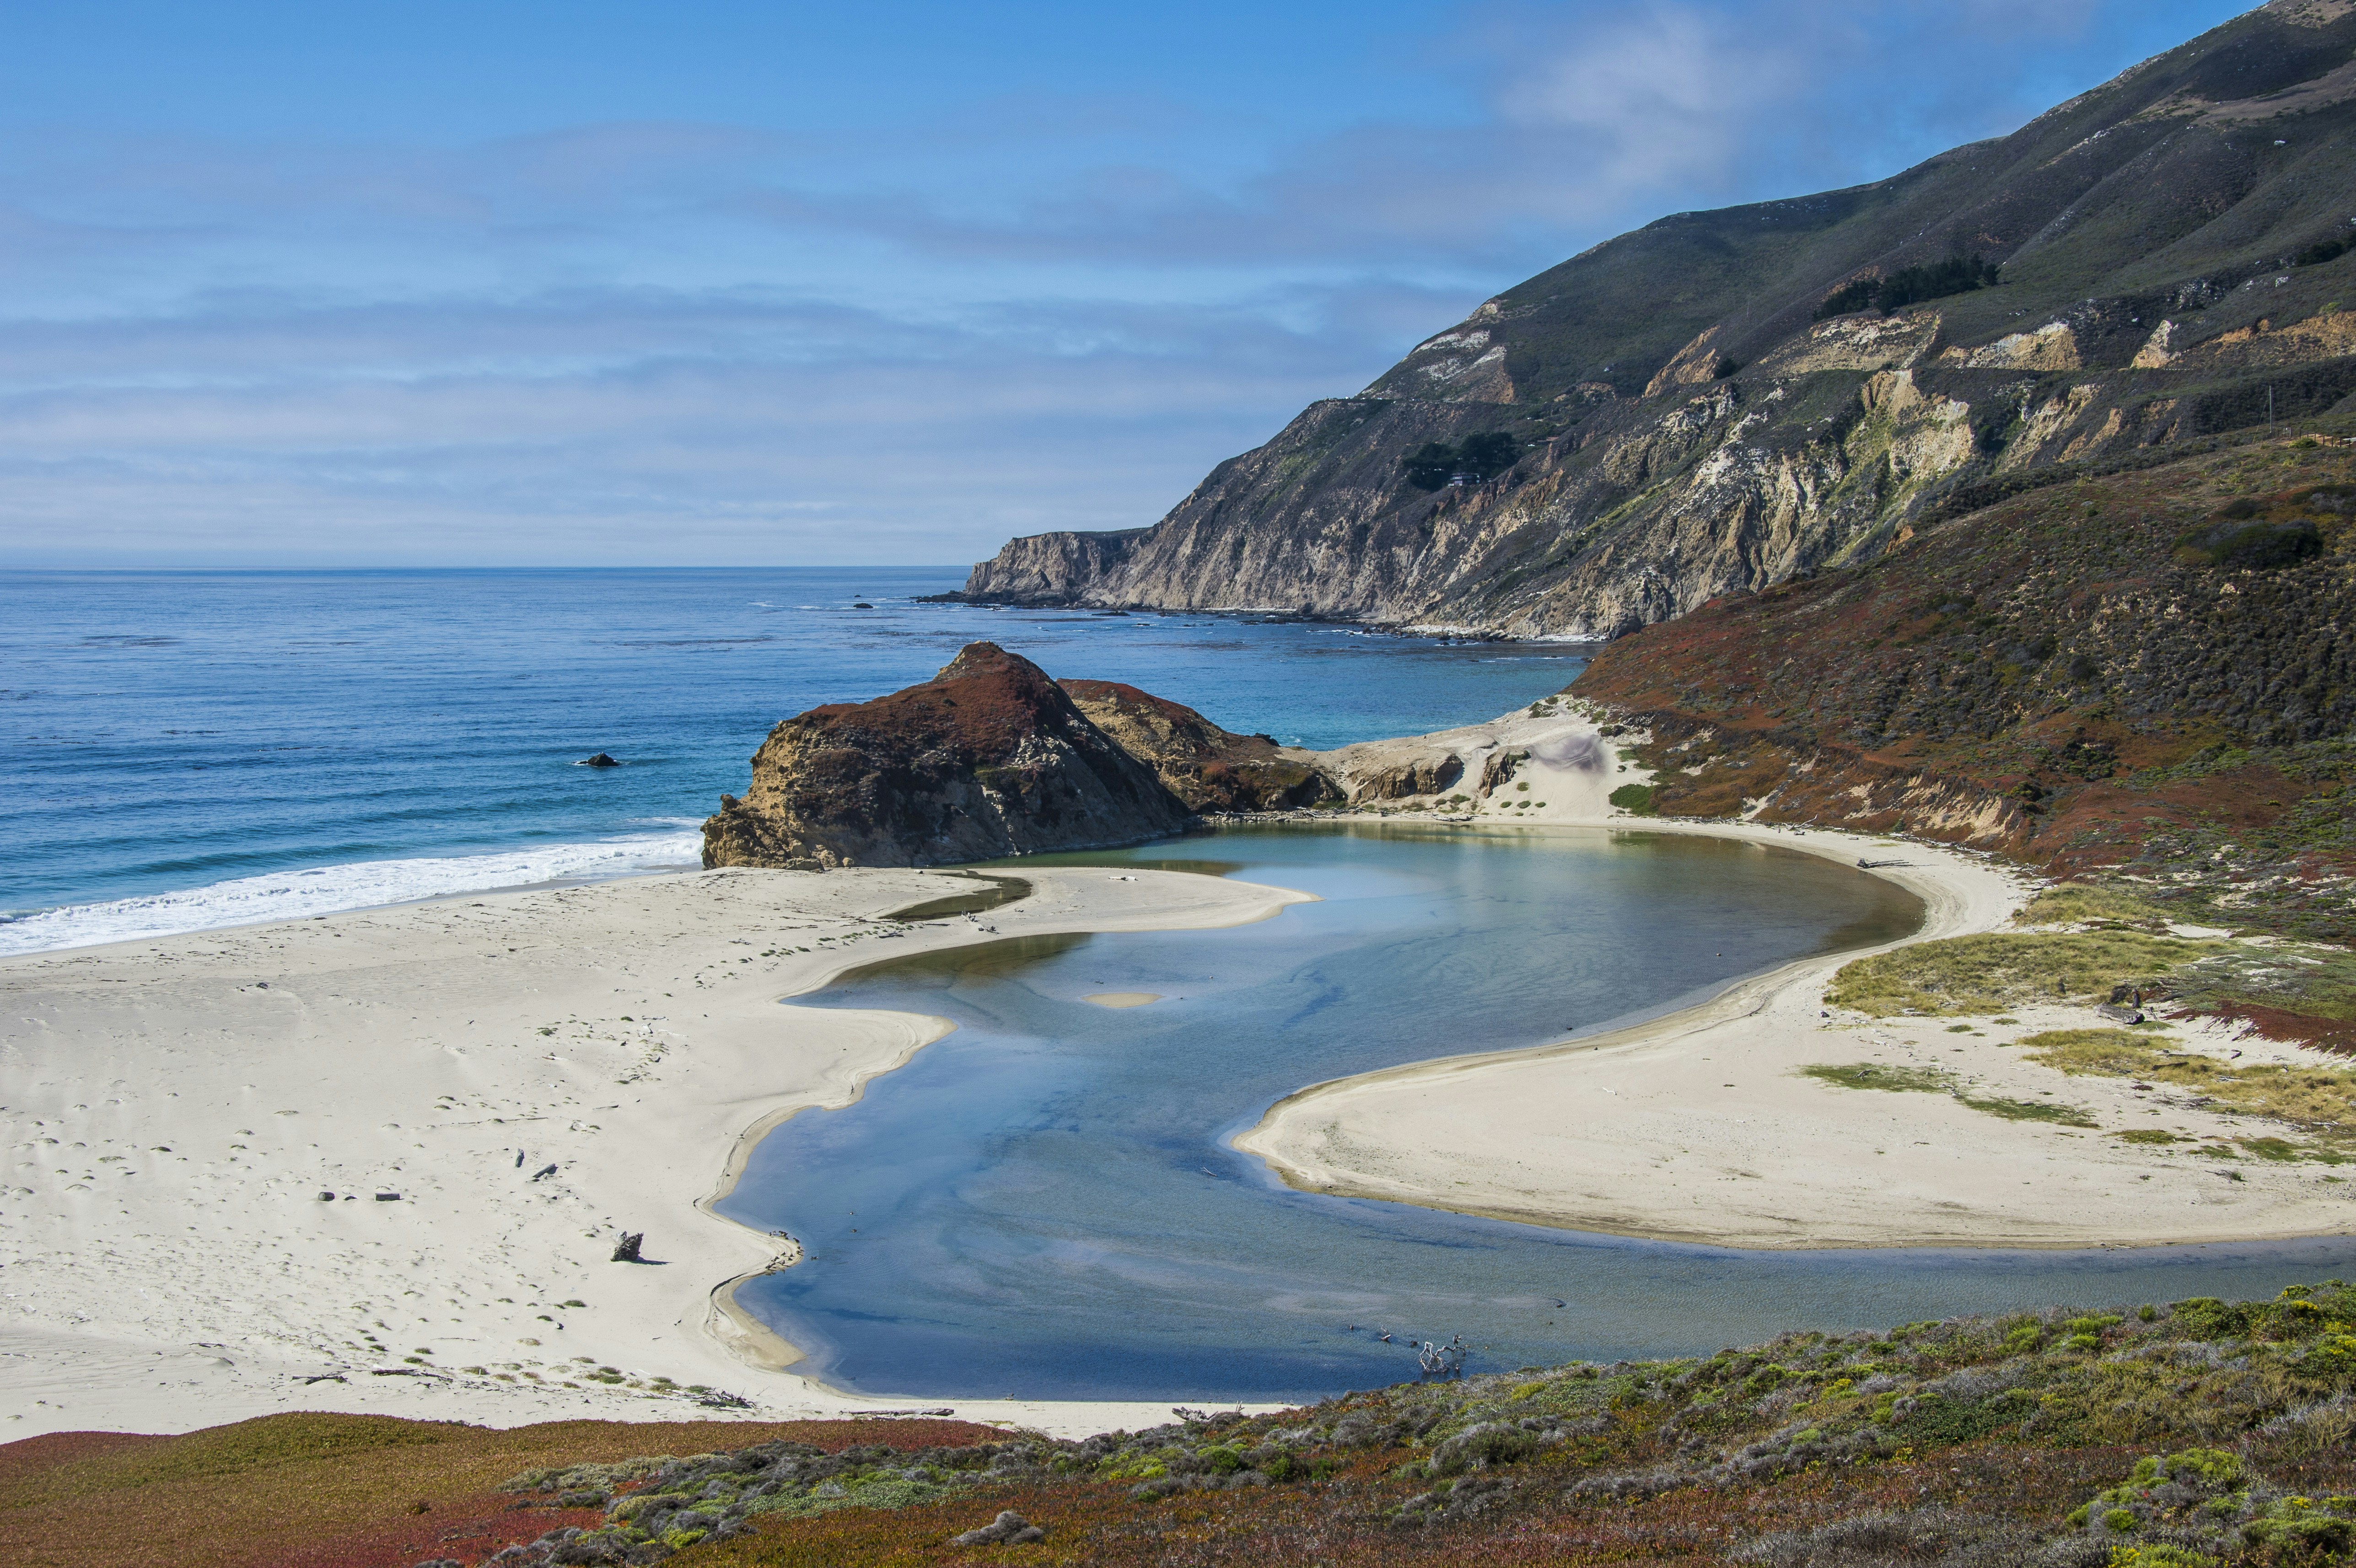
x=706, y=283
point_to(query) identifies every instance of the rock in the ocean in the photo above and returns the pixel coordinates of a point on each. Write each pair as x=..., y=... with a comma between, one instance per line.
x=1209, y=768
x=600, y=761
x=988, y=758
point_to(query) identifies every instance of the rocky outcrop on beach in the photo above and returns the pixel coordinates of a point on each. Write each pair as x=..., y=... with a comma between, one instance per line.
x=1413, y=777
x=1725, y=400
x=989, y=758
x=1209, y=768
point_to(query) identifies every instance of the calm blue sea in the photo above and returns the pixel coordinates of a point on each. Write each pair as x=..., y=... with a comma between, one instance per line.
x=187, y=750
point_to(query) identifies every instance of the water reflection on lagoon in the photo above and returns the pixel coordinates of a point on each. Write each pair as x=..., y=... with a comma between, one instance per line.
x=1043, y=1203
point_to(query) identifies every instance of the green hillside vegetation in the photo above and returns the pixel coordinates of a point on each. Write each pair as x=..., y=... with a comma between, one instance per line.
x=2054, y=675
x=2158, y=193
x=2198, y=1431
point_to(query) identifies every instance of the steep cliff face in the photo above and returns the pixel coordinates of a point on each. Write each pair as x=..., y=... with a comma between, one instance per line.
x=2153, y=671
x=2175, y=261
x=1209, y=768
x=989, y=758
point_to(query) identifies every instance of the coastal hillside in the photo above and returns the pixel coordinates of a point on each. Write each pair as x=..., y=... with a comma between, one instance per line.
x=1722, y=401
x=2146, y=675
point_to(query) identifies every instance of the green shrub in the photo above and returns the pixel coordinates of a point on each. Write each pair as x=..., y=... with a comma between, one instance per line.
x=1484, y=456
x=1635, y=799
x=2250, y=546
x=2206, y=1318
x=1928, y=281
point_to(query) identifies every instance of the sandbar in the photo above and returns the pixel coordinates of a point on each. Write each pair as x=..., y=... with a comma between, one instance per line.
x=1698, y=1127
x=526, y=1076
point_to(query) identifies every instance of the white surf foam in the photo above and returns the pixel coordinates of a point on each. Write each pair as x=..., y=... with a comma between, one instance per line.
x=324, y=889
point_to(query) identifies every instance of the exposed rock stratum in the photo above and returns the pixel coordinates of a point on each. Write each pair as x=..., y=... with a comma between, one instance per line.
x=1209, y=768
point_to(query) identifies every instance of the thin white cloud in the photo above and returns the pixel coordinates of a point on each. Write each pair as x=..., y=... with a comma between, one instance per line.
x=665, y=341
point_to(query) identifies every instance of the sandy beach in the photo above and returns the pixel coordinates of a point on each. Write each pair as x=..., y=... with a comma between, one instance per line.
x=1698, y=1127
x=177, y=1108
x=495, y=1088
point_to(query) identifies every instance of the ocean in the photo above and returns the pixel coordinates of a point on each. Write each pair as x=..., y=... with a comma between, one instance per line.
x=192, y=750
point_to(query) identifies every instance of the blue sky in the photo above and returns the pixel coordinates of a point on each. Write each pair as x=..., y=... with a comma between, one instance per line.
x=702, y=283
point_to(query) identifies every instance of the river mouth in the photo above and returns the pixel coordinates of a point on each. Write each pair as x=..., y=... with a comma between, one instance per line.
x=1044, y=1204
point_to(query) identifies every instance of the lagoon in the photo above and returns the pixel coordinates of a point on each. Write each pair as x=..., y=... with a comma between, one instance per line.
x=1042, y=1204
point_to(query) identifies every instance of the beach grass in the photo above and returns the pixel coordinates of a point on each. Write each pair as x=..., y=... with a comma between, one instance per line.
x=1979, y=975
x=1877, y=1076
x=2319, y=1100
x=2079, y=903
x=1935, y=1080
x=2029, y=1110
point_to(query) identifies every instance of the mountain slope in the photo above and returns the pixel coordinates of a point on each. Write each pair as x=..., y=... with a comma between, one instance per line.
x=1683, y=426
x=2150, y=675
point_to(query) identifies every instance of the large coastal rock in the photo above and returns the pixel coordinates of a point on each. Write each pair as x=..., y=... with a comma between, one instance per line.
x=987, y=759
x=1722, y=401
x=1209, y=768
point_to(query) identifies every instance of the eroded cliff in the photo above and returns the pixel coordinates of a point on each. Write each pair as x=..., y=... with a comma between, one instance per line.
x=1209, y=768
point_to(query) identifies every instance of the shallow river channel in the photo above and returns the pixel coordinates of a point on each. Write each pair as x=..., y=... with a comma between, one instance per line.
x=1042, y=1204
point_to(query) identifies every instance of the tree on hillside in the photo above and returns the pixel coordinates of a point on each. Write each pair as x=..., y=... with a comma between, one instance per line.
x=1482, y=456
x=1910, y=285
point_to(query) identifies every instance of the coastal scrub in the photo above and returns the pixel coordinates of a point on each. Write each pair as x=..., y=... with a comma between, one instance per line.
x=2319, y=1102
x=2153, y=1434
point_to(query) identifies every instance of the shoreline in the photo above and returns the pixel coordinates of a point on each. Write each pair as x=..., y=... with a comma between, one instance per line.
x=532, y=1073
x=1704, y=1127
x=1523, y=1135
x=462, y=993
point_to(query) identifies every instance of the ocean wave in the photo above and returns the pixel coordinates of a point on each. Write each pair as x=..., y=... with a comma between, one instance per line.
x=327, y=890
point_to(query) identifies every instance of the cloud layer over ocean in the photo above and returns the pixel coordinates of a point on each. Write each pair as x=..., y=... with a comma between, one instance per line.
x=599, y=284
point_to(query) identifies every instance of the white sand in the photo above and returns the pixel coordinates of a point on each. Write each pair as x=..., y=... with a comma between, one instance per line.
x=174, y=1108
x=1698, y=1128
x=1118, y=999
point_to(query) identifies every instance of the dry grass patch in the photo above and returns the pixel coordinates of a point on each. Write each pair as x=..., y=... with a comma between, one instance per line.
x=317, y=1490
x=2319, y=1102
x=2079, y=904
x=1985, y=975
x=1935, y=1080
